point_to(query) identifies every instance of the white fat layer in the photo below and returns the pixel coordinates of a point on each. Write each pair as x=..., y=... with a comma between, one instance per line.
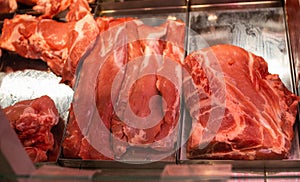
x=79, y=28
x=251, y=62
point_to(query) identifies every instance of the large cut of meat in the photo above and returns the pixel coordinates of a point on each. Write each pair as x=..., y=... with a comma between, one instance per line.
x=238, y=109
x=59, y=44
x=137, y=88
x=140, y=119
x=74, y=137
x=33, y=121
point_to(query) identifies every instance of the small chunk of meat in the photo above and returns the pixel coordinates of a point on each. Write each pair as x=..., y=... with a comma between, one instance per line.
x=33, y=121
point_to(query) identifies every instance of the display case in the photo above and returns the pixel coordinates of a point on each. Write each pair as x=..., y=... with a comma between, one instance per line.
x=266, y=28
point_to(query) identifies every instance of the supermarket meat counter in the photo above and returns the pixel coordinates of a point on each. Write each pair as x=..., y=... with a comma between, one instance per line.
x=150, y=90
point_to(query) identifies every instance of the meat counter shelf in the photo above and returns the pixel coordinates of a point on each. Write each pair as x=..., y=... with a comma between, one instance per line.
x=257, y=26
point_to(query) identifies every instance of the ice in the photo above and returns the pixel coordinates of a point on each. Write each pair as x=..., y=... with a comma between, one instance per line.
x=31, y=84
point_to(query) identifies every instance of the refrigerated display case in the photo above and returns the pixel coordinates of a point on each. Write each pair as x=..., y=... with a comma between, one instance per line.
x=269, y=29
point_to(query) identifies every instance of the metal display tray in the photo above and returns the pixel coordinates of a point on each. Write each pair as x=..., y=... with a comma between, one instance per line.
x=257, y=26
x=164, y=12
x=259, y=29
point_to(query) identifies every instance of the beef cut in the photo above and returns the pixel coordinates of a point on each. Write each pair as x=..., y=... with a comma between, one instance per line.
x=33, y=121
x=238, y=109
x=145, y=63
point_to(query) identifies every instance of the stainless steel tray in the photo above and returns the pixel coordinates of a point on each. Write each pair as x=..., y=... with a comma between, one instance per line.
x=258, y=27
x=151, y=16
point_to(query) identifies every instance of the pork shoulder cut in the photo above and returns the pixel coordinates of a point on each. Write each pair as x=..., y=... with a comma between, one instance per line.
x=238, y=109
x=60, y=44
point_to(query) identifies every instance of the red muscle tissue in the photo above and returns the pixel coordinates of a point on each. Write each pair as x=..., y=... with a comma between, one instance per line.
x=33, y=121
x=241, y=111
x=149, y=52
x=60, y=44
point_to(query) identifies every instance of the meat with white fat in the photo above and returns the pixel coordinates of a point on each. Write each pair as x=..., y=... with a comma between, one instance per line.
x=59, y=44
x=33, y=121
x=239, y=110
x=127, y=80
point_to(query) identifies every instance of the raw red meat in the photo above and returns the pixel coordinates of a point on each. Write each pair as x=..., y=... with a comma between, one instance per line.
x=146, y=121
x=81, y=36
x=8, y=6
x=37, y=38
x=36, y=154
x=75, y=145
x=50, y=8
x=169, y=81
x=72, y=141
x=113, y=64
x=77, y=10
x=239, y=110
x=59, y=44
x=132, y=73
x=32, y=121
x=140, y=92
